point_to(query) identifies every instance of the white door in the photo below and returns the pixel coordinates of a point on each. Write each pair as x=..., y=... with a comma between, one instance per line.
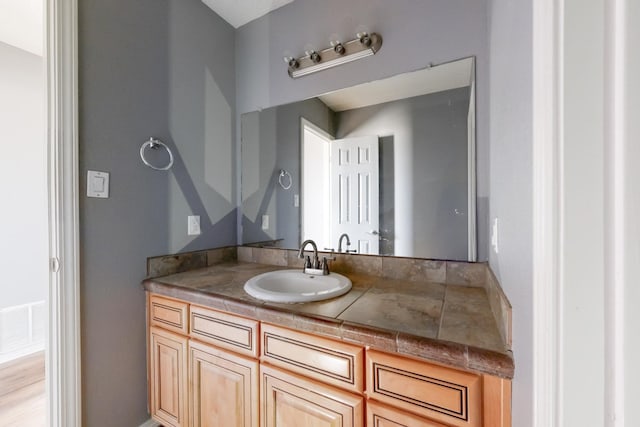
x=355, y=192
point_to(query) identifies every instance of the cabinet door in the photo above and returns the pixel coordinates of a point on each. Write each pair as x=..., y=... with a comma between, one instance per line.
x=383, y=416
x=223, y=388
x=168, y=377
x=290, y=400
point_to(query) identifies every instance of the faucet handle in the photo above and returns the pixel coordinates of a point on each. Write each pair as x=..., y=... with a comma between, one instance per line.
x=325, y=264
x=307, y=262
x=330, y=249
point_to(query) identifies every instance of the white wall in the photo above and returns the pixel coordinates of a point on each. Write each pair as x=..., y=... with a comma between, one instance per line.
x=23, y=185
x=511, y=184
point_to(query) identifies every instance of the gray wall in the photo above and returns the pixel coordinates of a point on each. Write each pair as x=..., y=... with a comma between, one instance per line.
x=415, y=33
x=149, y=67
x=510, y=38
x=430, y=178
x=23, y=217
x=271, y=141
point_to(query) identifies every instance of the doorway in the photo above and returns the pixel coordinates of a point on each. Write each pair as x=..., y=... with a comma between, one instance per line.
x=315, y=197
x=24, y=217
x=39, y=304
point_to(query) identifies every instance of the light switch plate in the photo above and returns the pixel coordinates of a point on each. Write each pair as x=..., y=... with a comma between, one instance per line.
x=193, y=227
x=265, y=222
x=98, y=184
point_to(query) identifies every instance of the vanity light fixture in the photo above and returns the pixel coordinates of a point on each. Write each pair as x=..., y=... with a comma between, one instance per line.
x=363, y=45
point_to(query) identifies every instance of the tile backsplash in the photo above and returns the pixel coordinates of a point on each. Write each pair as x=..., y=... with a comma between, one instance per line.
x=164, y=265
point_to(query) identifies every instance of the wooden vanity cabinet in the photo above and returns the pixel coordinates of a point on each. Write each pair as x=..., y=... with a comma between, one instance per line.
x=208, y=368
x=193, y=382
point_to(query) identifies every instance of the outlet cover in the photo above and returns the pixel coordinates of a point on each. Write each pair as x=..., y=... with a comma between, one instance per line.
x=494, y=235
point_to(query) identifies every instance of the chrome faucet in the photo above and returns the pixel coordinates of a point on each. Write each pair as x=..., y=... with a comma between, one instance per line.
x=313, y=266
x=315, y=263
x=343, y=236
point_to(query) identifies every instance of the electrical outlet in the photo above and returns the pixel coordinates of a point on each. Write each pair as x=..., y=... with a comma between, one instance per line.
x=494, y=235
x=193, y=227
x=265, y=222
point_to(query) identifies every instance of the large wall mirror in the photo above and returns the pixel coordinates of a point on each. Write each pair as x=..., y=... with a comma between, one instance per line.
x=390, y=163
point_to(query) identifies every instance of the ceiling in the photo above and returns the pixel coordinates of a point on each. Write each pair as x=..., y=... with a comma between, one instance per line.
x=21, y=24
x=239, y=12
x=447, y=76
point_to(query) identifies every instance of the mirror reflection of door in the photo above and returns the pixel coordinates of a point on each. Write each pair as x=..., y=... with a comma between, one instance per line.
x=340, y=190
x=355, y=192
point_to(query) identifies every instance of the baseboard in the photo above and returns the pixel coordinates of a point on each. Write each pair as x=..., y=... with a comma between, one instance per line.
x=150, y=423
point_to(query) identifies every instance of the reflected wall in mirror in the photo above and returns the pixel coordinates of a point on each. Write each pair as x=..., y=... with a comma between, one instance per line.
x=390, y=163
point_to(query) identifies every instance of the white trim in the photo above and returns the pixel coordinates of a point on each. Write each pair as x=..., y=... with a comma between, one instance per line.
x=614, y=211
x=547, y=209
x=472, y=220
x=63, y=358
x=150, y=423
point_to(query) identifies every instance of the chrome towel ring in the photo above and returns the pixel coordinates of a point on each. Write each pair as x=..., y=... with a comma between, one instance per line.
x=154, y=143
x=284, y=174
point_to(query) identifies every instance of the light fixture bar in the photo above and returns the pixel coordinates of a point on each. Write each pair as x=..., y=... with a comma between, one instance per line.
x=364, y=45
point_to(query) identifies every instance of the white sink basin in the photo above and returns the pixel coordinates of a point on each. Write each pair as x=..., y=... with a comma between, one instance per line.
x=296, y=286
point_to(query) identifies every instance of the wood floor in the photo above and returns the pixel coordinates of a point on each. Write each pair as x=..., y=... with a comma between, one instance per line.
x=22, y=393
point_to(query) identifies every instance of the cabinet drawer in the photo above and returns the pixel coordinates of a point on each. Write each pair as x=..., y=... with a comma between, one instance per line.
x=379, y=415
x=224, y=330
x=445, y=395
x=326, y=360
x=168, y=314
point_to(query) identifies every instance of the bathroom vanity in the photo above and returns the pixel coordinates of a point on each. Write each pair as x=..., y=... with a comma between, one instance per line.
x=400, y=349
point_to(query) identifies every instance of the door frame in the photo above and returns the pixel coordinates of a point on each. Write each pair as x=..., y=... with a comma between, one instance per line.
x=63, y=346
x=547, y=210
x=552, y=392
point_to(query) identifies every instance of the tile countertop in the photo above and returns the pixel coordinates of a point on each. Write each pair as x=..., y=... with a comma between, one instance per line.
x=448, y=324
